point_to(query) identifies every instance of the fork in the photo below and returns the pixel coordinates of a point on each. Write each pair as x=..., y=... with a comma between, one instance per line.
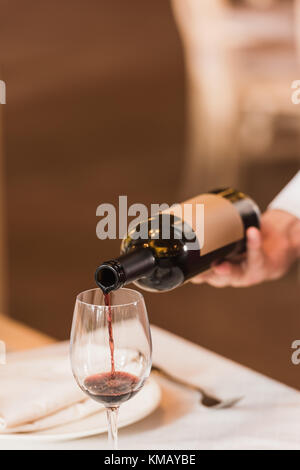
x=206, y=399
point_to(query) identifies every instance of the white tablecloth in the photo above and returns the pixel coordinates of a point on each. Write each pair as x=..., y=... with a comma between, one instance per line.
x=267, y=418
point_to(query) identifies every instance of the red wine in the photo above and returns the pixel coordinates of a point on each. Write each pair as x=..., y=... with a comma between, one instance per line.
x=107, y=301
x=157, y=262
x=112, y=389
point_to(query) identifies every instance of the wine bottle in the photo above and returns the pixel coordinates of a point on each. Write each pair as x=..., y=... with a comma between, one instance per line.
x=158, y=263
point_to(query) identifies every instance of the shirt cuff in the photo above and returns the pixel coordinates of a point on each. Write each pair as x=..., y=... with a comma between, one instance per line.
x=288, y=199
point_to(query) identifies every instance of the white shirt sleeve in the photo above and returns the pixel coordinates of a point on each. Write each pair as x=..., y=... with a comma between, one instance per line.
x=288, y=199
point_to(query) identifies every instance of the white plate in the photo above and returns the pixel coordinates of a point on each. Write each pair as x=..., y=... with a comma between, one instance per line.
x=140, y=406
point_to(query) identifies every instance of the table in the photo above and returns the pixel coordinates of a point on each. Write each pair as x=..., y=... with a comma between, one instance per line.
x=18, y=336
x=268, y=417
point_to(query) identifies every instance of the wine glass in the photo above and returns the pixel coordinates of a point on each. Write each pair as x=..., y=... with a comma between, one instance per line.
x=111, y=349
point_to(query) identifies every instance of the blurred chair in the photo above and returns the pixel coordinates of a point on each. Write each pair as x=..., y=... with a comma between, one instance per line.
x=241, y=58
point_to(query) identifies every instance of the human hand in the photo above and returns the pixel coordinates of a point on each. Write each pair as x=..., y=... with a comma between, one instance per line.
x=270, y=253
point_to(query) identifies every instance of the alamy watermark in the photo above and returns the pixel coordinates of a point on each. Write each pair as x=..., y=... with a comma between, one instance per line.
x=2, y=101
x=2, y=353
x=2, y=92
x=296, y=354
x=189, y=220
x=295, y=97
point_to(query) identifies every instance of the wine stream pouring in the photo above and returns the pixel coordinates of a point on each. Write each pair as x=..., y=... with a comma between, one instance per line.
x=156, y=262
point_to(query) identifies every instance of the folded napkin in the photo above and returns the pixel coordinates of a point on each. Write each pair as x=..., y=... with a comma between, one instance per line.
x=38, y=394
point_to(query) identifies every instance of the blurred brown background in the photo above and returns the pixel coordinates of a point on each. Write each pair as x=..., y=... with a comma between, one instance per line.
x=116, y=98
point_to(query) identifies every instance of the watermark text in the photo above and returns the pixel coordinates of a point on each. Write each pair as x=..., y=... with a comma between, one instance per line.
x=2, y=92
x=295, y=97
x=2, y=353
x=177, y=222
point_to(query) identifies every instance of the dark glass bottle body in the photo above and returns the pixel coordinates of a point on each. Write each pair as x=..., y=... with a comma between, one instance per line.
x=158, y=263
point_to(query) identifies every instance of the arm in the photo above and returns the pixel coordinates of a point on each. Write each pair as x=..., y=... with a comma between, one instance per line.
x=271, y=251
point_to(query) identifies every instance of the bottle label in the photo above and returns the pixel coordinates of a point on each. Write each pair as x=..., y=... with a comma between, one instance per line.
x=214, y=219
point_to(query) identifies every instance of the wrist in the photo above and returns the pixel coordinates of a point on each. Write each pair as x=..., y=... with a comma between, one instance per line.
x=294, y=236
x=285, y=224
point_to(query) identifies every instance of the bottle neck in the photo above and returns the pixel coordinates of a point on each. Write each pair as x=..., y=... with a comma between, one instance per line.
x=115, y=273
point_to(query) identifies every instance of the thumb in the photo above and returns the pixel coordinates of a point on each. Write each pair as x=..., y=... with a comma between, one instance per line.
x=255, y=256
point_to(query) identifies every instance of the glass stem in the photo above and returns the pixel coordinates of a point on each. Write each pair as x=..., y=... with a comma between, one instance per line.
x=112, y=419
